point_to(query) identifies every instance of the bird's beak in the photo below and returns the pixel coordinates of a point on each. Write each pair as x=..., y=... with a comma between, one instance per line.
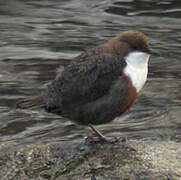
x=151, y=52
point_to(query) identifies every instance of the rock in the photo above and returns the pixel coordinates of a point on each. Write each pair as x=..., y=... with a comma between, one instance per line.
x=137, y=159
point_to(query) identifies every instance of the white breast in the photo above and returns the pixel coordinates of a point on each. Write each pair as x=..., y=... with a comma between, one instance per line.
x=137, y=68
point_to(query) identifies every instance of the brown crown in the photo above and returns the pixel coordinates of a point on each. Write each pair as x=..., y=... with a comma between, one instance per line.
x=125, y=43
x=136, y=40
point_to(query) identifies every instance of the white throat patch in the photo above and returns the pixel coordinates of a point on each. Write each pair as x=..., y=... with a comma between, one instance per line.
x=137, y=68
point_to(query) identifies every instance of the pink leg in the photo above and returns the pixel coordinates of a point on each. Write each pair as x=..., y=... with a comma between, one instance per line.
x=101, y=138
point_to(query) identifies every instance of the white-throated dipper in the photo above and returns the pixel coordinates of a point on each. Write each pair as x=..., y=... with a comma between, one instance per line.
x=100, y=84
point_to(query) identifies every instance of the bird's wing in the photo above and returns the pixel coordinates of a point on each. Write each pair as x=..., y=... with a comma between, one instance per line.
x=88, y=78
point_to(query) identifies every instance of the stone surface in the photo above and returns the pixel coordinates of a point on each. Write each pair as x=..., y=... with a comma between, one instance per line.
x=135, y=159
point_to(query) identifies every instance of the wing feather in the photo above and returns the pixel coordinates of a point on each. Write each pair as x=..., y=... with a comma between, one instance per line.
x=86, y=79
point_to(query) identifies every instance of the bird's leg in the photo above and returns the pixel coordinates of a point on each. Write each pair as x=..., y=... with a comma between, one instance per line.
x=101, y=138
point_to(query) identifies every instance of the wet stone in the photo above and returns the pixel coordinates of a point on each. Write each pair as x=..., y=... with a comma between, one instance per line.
x=137, y=159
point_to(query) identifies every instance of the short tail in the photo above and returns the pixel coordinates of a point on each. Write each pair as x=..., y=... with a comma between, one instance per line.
x=31, y=103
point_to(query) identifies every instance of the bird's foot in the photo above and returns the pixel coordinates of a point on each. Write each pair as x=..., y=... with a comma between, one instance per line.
x=110, y=140
x=101, y=138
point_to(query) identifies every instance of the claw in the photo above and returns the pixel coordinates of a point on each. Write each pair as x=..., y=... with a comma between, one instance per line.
x=101, y=138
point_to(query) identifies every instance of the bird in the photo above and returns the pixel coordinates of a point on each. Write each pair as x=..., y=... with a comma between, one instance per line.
x=98, y=85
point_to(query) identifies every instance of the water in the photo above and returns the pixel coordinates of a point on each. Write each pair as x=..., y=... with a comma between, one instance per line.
x=38, y=36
